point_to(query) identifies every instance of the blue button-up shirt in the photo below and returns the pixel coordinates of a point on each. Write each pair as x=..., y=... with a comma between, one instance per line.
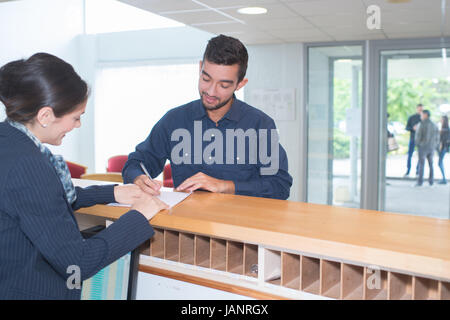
x=194, y=143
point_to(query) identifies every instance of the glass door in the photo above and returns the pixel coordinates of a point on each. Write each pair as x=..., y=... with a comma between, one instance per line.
x=334, y=100
x=415, y=85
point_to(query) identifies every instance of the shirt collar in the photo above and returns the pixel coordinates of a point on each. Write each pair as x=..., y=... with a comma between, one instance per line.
x=235, y=111
x=233, y=114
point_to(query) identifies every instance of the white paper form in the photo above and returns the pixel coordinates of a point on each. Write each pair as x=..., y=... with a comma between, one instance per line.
x=167, y=195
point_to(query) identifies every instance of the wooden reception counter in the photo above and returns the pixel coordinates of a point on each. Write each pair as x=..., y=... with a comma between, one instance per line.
x=297, y=250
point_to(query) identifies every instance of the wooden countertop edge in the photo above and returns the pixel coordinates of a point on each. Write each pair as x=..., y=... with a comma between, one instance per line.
x=210, y=283
x=389, y=260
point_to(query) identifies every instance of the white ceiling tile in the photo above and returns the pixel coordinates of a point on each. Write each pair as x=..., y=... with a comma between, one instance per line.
x=157, y=6
x=411, y=16
x=280, y=23
x=256, y=37
x=324, y=7
x=334, y=20
x=291, y=20
x=432, y=28
x=226, y=28
x=299, y=32
x=196, y=17
x=341, y=31
x=360, y=37
x=412, y=4
x=237, y=3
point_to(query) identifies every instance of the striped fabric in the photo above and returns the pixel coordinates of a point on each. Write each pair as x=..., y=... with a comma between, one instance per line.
x=39, y=236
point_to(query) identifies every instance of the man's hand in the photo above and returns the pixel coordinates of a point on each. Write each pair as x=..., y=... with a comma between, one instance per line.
x=203, y=181
x=148, y=186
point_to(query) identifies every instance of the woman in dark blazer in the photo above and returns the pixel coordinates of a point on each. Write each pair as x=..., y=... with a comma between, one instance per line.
x=40, y=243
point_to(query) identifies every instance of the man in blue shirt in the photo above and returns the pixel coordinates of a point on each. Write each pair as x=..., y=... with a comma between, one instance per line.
x=217, y=143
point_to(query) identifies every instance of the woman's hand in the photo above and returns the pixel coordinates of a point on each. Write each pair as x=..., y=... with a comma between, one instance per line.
x=127, y=193
x=148, y=205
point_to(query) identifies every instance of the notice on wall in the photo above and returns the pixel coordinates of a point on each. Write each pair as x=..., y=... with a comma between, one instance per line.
x=277, y=103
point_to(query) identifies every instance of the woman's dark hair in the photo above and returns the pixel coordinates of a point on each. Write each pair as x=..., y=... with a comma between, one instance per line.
x=224, y=50
x=42, y=80
x=445, y=122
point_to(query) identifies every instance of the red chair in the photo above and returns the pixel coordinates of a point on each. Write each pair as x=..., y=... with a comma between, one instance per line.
x=167, y=176
x=76, y=170
x=116, y=163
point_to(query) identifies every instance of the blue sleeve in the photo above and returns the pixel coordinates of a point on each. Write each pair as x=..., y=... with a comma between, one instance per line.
x=93, y=195
x=37, y=202
x=153, y=152
x=275, y=185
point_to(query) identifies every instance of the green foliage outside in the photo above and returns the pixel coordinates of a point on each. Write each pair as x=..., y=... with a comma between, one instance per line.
x=403, y=95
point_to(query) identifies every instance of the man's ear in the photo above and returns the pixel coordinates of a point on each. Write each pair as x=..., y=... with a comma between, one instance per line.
x=241, y=84
x=45, y=116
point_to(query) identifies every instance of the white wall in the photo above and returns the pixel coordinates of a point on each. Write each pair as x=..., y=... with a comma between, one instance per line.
x=275, y=67
x=51, y=26
x=130, y=47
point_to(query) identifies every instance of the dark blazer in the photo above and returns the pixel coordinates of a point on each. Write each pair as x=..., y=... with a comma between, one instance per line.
x=39, y=236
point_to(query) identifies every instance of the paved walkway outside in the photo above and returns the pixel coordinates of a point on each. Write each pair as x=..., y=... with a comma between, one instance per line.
x=401, y=195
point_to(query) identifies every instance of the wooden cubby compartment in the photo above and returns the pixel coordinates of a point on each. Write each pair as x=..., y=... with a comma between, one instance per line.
x=375, y=284
x=330, y=279
x=444, y=290
x=171, y=245
x=310, y=275
x=290, y=270
x=235, y=257
x=400, y=286
x=157, y=244
x=425, y=289
x=352, y=282
x=145, y=248
x=219, y=254
x=201, y=248
x=272, y=266
x=250, y=260
x=187, y=248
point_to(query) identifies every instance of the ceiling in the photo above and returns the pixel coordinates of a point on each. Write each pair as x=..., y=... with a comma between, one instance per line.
x=306, y=20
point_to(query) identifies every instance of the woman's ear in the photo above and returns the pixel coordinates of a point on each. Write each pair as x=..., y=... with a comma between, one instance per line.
x=45, y=116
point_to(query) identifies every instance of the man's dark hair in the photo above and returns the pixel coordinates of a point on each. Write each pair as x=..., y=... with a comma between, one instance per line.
x=426, y=112
x=419, y=105
x=224, y=50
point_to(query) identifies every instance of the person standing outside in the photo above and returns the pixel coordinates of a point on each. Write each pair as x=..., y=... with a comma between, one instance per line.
x=427, y=139
x=444, y=145
x=411, y=126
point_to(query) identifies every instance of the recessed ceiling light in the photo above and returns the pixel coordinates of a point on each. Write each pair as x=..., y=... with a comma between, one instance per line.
x=252, y=10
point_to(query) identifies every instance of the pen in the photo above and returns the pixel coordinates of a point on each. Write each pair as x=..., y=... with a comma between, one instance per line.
x=145, y=171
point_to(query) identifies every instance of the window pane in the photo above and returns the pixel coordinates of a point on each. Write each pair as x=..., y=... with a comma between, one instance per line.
x=334, y=125
x=130, y=100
